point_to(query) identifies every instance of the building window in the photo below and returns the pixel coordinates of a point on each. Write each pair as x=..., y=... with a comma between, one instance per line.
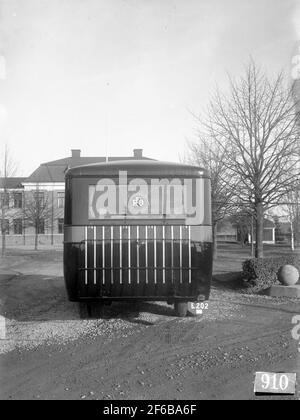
x=60, y=225
x=18, y=227
x=5, y=199
x=39, y=198
x=41, y=227
x=5, y=227
x=60, y=199
x=18, y=200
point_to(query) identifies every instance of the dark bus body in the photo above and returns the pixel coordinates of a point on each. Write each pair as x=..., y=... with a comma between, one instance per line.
x=135, y=255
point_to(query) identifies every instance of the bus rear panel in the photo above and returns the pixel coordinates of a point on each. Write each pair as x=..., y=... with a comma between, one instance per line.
x=135, y=255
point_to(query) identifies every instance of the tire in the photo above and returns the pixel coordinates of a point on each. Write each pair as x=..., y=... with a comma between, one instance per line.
x=95, y=310
x=181, y=309
x=90, y=310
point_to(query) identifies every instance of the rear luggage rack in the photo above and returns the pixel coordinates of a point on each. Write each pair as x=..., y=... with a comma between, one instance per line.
x=109, y=252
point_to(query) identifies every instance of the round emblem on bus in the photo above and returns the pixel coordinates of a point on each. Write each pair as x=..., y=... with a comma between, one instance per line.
x=138, y=201
x=138, y=205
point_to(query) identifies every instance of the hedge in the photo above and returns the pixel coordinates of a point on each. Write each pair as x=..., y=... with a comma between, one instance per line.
x=261, y=273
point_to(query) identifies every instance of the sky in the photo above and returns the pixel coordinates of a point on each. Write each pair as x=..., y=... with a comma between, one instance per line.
x=108, y=76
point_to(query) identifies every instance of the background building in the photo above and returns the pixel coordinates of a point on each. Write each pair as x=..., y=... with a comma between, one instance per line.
x=231, y=232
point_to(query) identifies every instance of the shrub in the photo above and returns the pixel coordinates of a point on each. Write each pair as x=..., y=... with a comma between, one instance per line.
x=261, y=273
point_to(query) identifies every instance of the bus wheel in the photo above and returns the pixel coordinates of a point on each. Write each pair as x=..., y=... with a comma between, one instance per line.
x=181, y=309
x=95, y=310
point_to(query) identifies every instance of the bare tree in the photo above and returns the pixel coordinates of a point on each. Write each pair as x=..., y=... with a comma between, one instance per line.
x=243, y=221
x=255, y=124
x=38, y=211
x=290, y=209
x=7, y=170
x=207, y=153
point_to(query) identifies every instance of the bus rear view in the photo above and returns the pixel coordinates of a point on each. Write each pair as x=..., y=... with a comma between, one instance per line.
x=138, y=230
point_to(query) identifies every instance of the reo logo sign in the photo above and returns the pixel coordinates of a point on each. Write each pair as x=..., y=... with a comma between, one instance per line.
x=138, y=202
x=148, y=198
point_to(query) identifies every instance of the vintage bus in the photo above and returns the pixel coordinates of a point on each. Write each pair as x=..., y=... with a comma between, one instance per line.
x=138, y=230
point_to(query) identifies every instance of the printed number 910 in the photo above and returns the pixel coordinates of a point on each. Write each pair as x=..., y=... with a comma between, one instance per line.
x=275, y=383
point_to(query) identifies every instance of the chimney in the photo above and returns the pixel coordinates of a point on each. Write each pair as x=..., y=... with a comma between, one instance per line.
x=75, y=153
x=138, y=153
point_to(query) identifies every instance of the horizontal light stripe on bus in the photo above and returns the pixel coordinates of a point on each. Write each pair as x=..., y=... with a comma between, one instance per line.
x=76, y=234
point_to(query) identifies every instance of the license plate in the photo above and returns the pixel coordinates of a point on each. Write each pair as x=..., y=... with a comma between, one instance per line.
x=196, y=307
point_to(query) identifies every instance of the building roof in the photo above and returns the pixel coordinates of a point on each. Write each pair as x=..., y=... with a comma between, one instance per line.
x=12, y=182
x=48, y=173
x=138, y=166
x=54, y=171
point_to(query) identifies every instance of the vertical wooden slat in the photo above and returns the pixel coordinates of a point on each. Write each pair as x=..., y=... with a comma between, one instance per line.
x=103, y=254
x=172, y=252
x=164, y=254
x=180, y=252
x=85, y=256
x=146, y=252
x=95, y=255
x=190, y=256
x=112, y=254
x=121, y=227
x=129, y=257
x=137, y=255
x=155, y=267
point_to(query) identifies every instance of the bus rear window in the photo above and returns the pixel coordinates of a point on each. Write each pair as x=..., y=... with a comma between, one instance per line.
x=153, y=198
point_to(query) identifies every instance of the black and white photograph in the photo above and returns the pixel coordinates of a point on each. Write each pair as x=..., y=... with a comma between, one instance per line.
x=149, y=202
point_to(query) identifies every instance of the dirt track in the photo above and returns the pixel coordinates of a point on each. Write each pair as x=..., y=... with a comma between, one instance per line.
x=140, y=352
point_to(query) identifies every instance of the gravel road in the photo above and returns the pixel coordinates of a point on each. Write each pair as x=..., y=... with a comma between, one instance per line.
x=135, y=352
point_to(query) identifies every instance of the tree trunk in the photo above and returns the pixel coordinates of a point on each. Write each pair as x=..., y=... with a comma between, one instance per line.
x=242, y=236
x=252, y=237
x=2, y=228
x=259, y=252
x=297, y=220
x=52, y=218
x=292, y=237
x=3, y=244
x=24, y=220
x=36, y=240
